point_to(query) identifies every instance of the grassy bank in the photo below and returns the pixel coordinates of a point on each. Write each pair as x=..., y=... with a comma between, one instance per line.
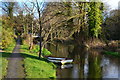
x=116, y=54
x=5, y=55
x=35, y=67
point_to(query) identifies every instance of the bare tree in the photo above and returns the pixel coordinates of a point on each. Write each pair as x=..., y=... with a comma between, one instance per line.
x=40, y=7
x=8, y=8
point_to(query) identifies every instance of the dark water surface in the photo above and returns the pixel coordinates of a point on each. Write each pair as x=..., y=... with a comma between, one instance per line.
x=87, y=63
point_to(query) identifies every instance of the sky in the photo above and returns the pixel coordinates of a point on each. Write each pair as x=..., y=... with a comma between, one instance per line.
x=112, y=3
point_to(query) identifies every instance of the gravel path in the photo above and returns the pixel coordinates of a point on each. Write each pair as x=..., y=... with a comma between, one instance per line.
x=15, y=64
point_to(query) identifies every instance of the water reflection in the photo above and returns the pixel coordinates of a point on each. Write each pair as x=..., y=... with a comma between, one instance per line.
x=94, y=60
x=110, y=67
x=65, y=66
x=79, y=57
x=87, y=63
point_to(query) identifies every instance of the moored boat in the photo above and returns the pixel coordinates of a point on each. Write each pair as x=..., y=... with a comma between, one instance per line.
x=59, y=60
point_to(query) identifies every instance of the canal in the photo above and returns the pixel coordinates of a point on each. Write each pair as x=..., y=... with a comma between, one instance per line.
x=88, y=63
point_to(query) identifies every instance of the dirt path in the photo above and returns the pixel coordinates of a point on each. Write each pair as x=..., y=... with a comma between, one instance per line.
x=15, y=64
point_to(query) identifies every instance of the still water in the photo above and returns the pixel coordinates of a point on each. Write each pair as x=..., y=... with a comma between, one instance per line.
x=87, y=63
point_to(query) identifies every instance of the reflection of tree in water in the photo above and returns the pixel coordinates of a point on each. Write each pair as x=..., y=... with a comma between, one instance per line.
x=94, y=65
x=58, y=49
x=87, y=63
x=119, y=71
x=78, y=55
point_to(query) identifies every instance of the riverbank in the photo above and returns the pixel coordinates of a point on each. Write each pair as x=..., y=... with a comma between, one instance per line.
x=113, y=48
x=116, y=54
x=35, y=67
x=110, y=47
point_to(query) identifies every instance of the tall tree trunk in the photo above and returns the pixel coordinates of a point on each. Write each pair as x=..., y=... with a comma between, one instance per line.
x=38, y=9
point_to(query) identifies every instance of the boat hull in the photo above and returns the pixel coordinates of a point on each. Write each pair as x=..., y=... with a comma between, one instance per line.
x=59, y=60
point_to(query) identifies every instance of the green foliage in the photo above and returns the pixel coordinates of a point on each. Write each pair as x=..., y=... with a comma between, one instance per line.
x=7, y=39
x=45, y=52
x=117, y=54
x=35, y=49
x=112, y=25
x=4, y=64
x=7, y=33
x=95, y=19
x=0, y=33
x=37, y=68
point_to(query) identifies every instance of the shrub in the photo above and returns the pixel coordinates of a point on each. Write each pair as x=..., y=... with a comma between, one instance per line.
x=7, y=38
x=45, y=52
x=7, y=33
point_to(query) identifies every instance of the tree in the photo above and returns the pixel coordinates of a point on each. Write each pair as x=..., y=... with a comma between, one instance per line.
x=7, y=32
x=39, y=9
x=8, y=24
x=81, y=31
x=8, y=8
x=112, y=25
x=95, y=19
x=77, y=20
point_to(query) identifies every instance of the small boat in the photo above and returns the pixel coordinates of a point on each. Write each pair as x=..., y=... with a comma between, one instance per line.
x=56, y=58
x=59, y=60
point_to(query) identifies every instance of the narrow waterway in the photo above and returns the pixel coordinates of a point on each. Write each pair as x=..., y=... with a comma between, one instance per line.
x=87, y=63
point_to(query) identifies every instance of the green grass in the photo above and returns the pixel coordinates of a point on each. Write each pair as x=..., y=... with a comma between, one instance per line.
x=4, y=61
x=35, y=67
x=4, y=66
x=10, y=48
x=116, y=54
x=45, y=52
